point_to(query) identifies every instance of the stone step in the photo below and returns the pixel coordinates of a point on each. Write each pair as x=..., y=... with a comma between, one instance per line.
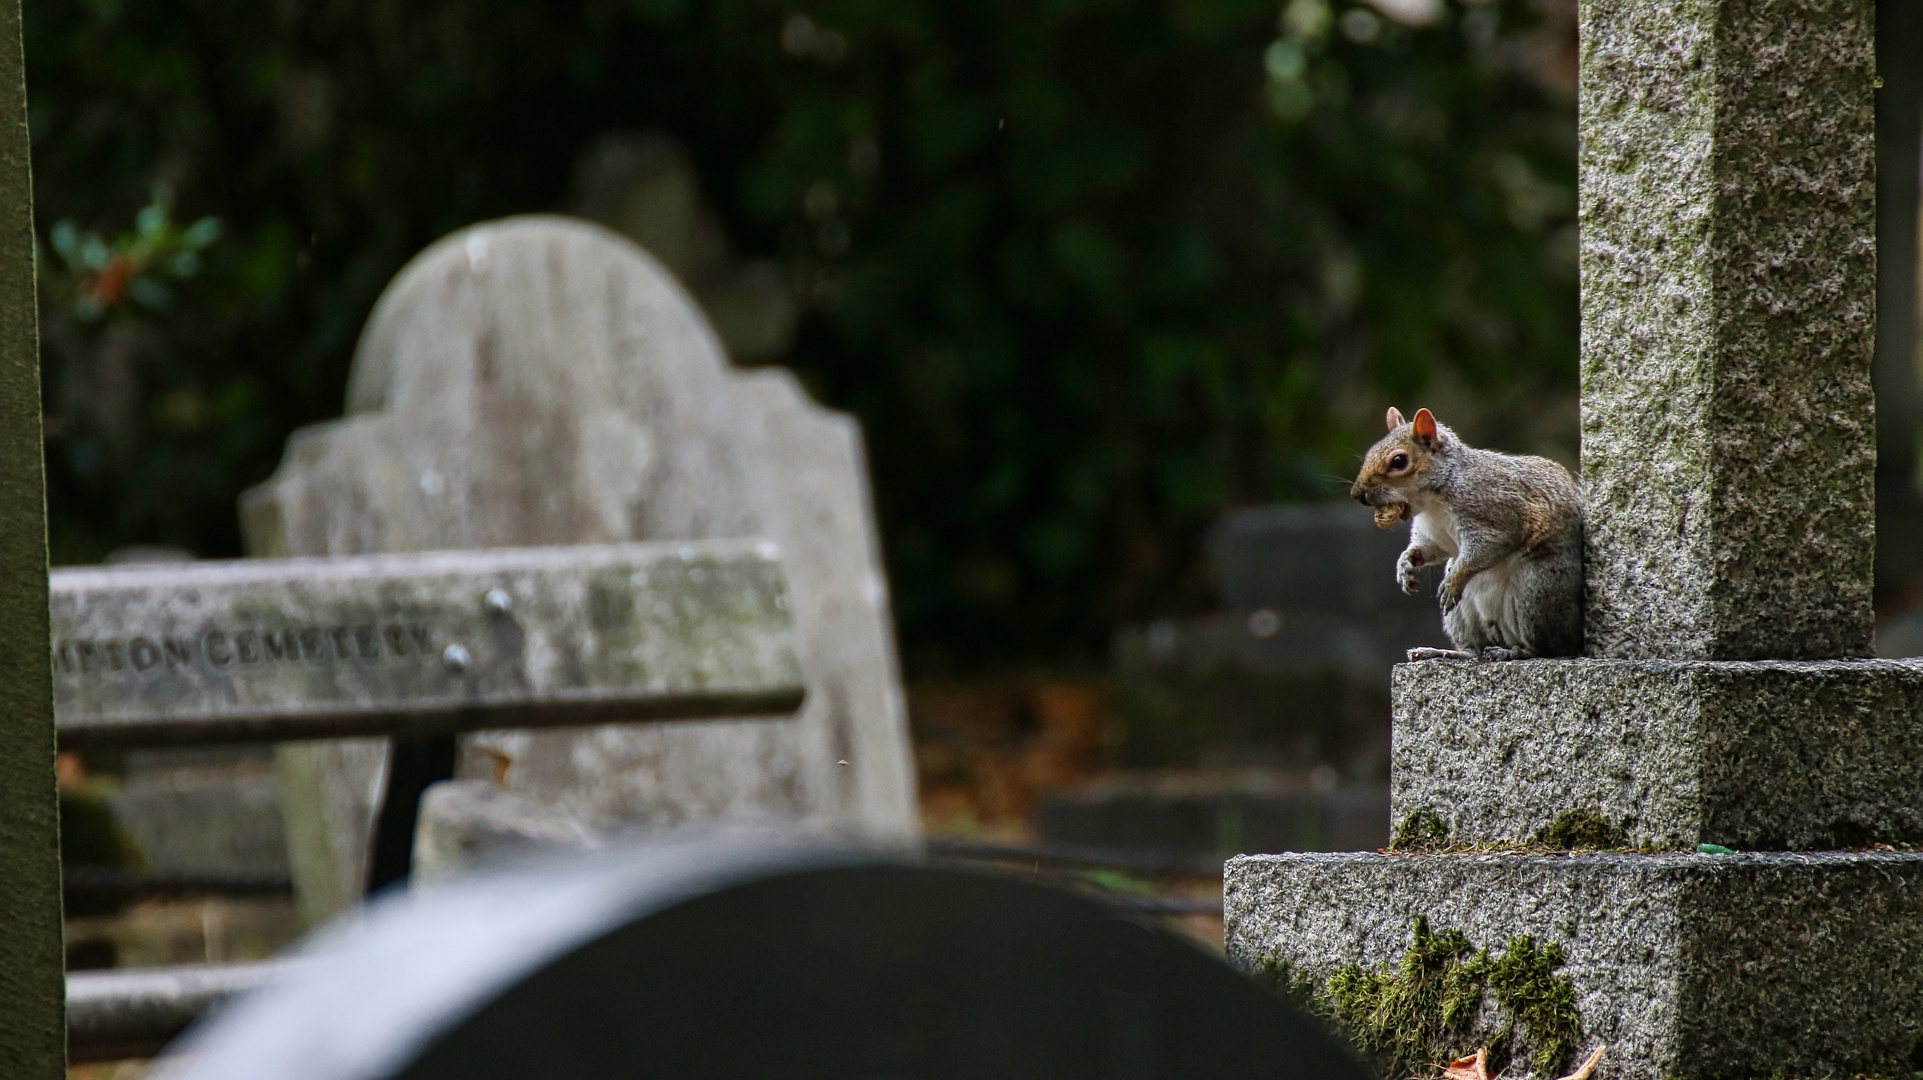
x=1753, y=755
x=1733, y=965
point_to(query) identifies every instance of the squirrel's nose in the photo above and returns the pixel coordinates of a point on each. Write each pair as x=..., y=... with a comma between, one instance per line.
x=1356, y=493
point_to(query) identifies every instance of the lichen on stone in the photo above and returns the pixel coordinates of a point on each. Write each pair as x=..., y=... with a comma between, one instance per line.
x=1429, y=1007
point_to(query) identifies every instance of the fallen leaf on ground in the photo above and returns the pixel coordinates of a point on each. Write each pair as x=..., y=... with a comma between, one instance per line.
x=1469, y=1068
x=1588, y=1067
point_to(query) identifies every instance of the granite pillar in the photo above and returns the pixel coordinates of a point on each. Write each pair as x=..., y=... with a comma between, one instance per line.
x=1728, y=223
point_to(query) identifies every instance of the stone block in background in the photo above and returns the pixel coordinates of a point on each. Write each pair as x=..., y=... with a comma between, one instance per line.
x=1684, y=965
x=1220, y=813
x=1294, y=672
x=212, y=811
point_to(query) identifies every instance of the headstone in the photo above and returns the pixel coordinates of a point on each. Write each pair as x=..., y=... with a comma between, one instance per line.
x=32, y=1027
x=542, y=381
x=707, y=960
x=1728, y=263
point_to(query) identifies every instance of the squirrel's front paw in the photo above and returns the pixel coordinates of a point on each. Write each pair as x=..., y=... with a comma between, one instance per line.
x=1409, y=572
x=1448, y=595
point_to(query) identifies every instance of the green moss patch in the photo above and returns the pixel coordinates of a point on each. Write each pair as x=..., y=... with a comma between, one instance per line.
x=1429, y=1007
x=1422, y=831
x=1584, y=828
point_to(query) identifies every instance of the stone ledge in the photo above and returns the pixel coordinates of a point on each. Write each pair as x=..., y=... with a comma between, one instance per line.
x=1758, y=755
x=1751, y=964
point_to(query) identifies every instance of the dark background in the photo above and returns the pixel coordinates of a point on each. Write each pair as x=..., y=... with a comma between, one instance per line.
x=1088, y=271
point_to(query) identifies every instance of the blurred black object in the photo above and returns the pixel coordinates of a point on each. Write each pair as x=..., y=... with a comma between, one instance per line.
x=702, y=960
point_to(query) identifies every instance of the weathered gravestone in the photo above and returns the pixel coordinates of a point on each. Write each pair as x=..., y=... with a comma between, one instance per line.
x=542, y=381
x=1728, y=285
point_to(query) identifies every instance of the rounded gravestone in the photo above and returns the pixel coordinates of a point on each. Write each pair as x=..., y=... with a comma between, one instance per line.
x=697, y=961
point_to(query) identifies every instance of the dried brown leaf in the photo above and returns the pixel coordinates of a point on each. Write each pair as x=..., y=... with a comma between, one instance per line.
x=1588, y=1068
x=1469, y=1068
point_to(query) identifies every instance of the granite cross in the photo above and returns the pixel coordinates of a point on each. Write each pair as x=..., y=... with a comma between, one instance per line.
x=1728, y=699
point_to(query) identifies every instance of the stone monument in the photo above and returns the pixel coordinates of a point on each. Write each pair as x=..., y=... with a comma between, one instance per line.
x=1727, y=701
x=543, y=381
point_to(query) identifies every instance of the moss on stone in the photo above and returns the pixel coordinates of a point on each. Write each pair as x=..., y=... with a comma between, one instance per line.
x=1424, y=830
x=1429, y=1007
x=1584, y=827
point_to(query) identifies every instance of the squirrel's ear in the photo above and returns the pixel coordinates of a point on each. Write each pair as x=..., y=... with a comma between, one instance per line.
x=1425, y=426
x=1395, y=418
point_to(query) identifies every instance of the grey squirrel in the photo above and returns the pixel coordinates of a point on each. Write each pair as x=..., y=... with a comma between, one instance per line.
x=1509, y=527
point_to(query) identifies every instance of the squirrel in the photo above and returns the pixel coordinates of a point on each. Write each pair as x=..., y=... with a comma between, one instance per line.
x=1509, y=527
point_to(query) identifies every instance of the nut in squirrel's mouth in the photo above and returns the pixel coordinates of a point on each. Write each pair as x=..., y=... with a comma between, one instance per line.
x=1386, y=516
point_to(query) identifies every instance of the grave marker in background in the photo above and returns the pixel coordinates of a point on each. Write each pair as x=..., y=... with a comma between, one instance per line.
x=542, y=381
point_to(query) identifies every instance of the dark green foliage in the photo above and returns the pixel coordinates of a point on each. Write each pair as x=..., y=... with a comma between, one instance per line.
x=1424, y=830
x=1088, y=271
x=1424, y=1010
x=1584, y=827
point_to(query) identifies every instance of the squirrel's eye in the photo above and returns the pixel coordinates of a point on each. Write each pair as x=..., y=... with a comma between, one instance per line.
x=1400, y=461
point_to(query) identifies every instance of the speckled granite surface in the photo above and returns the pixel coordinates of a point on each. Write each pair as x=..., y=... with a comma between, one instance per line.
x=1754, y=755
x=1683, y=964
x=1728, y=223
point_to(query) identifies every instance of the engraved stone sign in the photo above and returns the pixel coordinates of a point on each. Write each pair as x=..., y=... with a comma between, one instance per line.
x=420, y=644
